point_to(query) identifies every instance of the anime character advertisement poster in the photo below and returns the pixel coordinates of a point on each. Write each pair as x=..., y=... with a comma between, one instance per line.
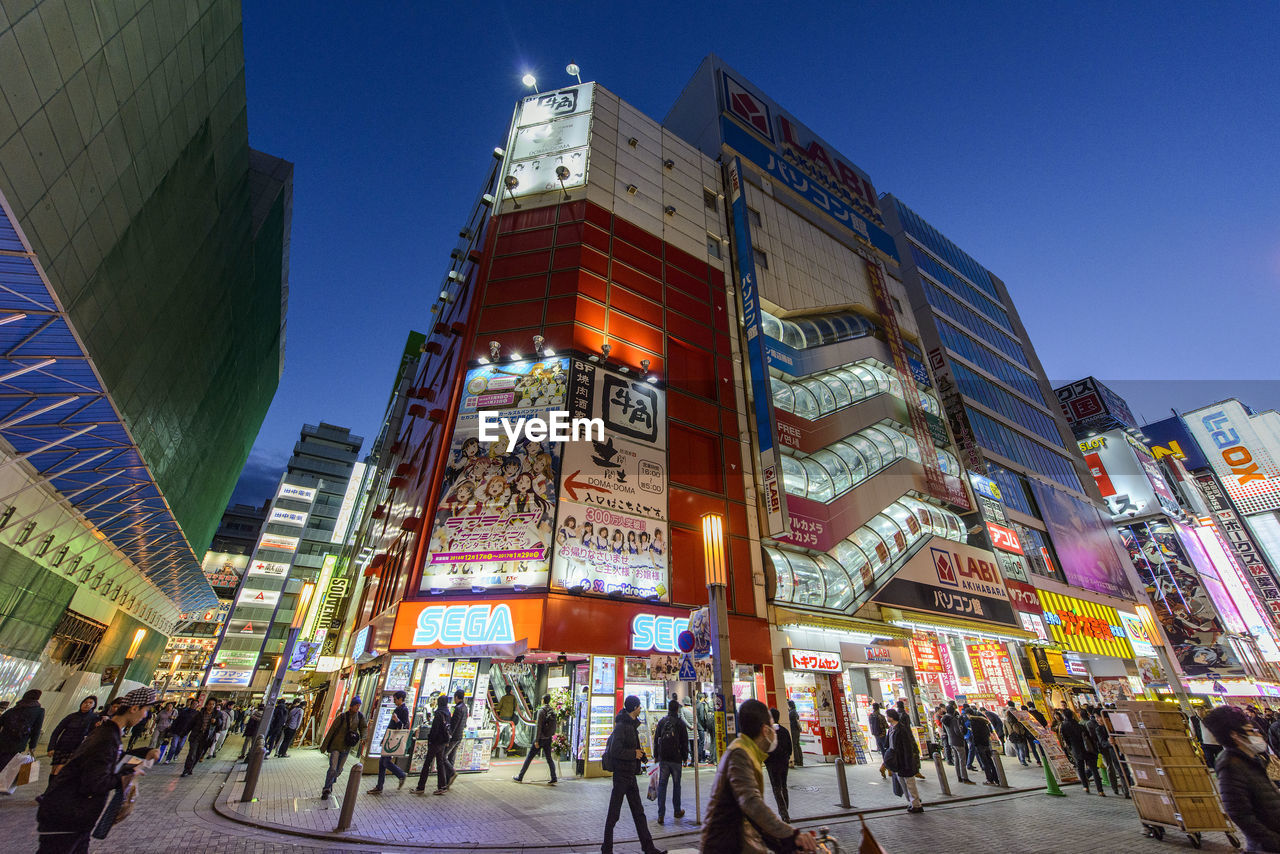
x=493, y=526
x=1196, y=634
x=612, y=533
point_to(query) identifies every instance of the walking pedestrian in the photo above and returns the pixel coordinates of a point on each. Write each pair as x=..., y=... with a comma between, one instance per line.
x=70, y=733
x=1208, y=741
x=546, y=730
x=902, y=758
x=953, y=723
x=20, y=727
x=706, y=726
x=793, y=719
x=1083, y=749
x=879, y=727
x=252, y=723
x=70, y=808
x=980, y=743
x=625, y=756
x=180, y=729
x=399, y=720
x=1033, y=741
x=160, y=729
x=204, y=732
x=1097, y=730
x=686, y=715
x=438, y=738
x=1018, y=735
x=506, y=715
x=1249, y=798
x=275, y=727
x=738, y=819
x=344, y=736
x=670, y=748
x=292, y=723
x=776, y=764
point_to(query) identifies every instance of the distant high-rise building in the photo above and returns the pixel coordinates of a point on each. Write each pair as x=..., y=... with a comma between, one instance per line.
x=303, y=534
x=144, y=271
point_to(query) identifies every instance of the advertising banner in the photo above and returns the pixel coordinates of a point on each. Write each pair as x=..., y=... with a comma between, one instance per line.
x=1239, y=447
x=459, y=625
x=773, y=500
x=222, y=569
x=252, y=598
x=271, y=569
x=1127, y=475
x=1170, y=438
x=1222, y=601
x=1140, y=636
x=492, y=528
x=1241, y=542
x=1085, y=626
x=992, y=664
x=612, y=535
x=550, y=132
x=1233, y=576
x=956, y=580
x=1196, y=635
x=1080, y=535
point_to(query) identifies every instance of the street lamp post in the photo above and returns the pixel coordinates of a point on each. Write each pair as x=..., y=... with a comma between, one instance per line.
x=295, y=628
x=128, y=659
x=713, y=558
x=173, y=667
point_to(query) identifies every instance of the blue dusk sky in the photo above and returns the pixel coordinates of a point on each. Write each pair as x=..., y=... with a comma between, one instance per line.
x=1114, y=164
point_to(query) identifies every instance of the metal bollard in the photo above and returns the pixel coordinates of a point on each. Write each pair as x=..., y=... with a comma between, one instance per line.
x=1004, y=781
x=256, y=754
x=843, y=783
x=942, y=774
x=349, y=797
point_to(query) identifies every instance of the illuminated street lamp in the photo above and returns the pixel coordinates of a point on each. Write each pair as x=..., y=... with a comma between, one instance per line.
x=173, y=667
x=717, y=601
x=128, y=659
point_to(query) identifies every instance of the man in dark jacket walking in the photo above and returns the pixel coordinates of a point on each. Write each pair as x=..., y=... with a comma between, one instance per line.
x=670, y=748
x=180, y=729
x=292, y=723
x=399, y=720
x=20, y=727
x=457, y=728
x=204, y=731
x=275, y=729
x=1083, y=749
x=542, y=741
x=879, y=728
x=437, y=750
x=77, y=796
x=625, y=755
x=345, y=735
x=793, y=720
x=776, y=764
x=953, y=723
x=980, y=735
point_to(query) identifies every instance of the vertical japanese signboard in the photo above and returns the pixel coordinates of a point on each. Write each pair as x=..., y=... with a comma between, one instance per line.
x=611, y=534
x=772, y=500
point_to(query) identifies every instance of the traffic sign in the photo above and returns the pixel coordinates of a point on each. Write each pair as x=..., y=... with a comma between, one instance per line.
x=685, y=641
x=687, y=673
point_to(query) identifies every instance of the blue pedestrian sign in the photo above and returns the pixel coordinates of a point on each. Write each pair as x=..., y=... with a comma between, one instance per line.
x=687, y=673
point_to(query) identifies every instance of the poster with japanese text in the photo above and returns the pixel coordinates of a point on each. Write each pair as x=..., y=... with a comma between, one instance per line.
x=493, y=526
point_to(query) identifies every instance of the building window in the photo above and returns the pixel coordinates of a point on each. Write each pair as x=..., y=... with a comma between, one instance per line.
x=761, y=257
x=713, y=246
x=709, y=199
x=753, y=216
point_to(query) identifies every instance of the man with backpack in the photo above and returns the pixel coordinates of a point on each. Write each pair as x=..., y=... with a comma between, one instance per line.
x=1019, y=736
x=670, y=748
x=542, y=741
x=292, y=723
x=20, y=727
x=953, y=723
x=879, y=727
x=622, y=757
x=346, y=735
x=980, y=742
x=1097, y=730
x=1084, y=751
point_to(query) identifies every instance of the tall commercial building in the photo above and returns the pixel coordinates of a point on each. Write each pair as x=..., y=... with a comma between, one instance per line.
x=304, y=532
x=1003, y=411
x=144, y=268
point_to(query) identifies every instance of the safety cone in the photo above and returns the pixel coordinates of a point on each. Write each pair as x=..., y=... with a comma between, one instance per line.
x=1052, y=784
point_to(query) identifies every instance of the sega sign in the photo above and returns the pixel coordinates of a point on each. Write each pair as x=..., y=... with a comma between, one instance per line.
x=657, y=633
x=431, y=625
x=969, y=573
x=464, y=625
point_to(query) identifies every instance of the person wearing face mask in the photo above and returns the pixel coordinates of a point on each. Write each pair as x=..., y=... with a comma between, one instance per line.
x=1248, y=797
x=902, y=758
x=738, y=819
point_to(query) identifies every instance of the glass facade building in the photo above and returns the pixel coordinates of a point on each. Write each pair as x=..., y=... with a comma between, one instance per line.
x=990, y=382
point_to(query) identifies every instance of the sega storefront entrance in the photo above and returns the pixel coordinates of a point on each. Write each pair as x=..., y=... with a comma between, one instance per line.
x=587, y=653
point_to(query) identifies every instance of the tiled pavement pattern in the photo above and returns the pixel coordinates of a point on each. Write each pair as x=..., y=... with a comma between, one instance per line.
x=175, y=816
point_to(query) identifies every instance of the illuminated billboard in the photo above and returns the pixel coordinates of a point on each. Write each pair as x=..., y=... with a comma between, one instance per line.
x=548, y=148
x=1127, y=475
x=1240, y=448
x=1083, y=541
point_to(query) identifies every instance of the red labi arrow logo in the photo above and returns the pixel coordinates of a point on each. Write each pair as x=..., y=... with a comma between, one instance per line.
x=571, y=485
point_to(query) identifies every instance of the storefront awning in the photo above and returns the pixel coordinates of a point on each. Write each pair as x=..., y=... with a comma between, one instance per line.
x=937, y=622
x=844, y=624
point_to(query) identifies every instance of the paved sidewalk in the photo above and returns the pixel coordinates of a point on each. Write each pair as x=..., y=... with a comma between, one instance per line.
x=490, y=810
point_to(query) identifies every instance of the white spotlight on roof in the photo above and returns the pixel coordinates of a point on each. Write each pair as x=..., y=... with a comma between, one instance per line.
x=573, y=71
x=530, y=81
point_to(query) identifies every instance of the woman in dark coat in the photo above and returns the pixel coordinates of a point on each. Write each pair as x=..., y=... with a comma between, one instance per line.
x=1248, y=797
x=902, y=758
x=70, y=732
